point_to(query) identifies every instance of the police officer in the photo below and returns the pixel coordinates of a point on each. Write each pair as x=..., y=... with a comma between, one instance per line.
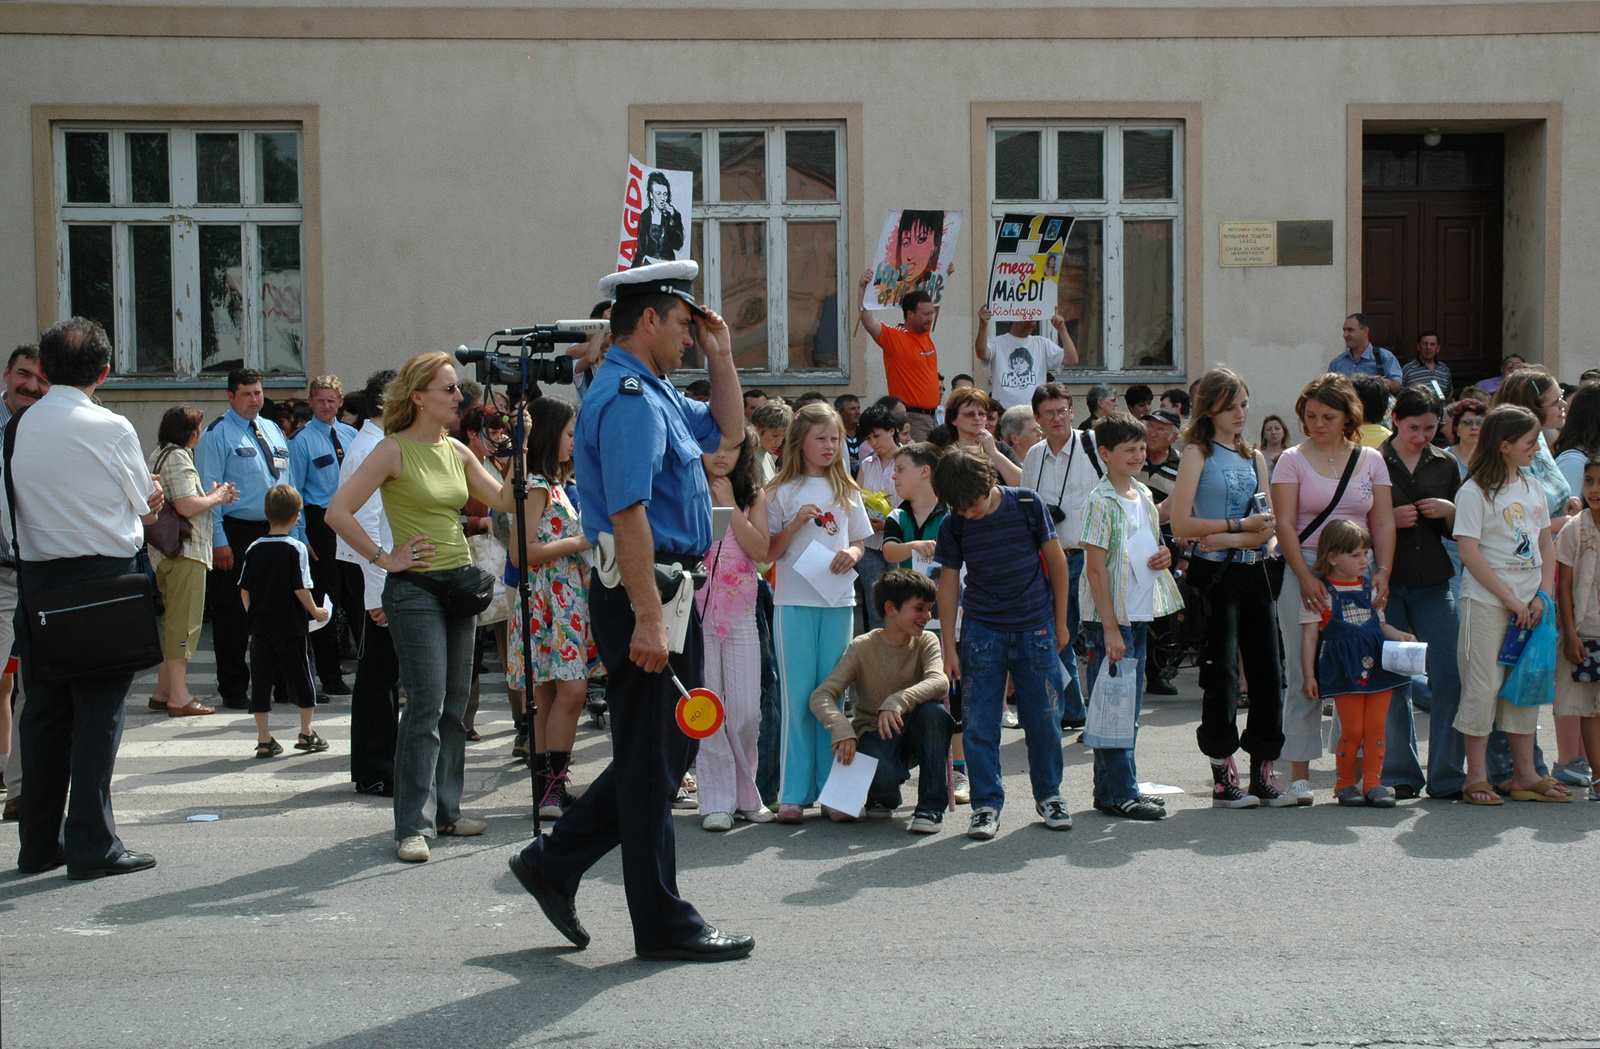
x=644, y=493
x=315, y=455
x=248, y=450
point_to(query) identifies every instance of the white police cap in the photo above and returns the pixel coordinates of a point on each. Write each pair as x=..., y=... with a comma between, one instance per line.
x=658, y=278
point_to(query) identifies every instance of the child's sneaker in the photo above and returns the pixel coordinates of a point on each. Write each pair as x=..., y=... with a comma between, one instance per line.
x=1380, y=797
x=1225, y=790
x=1135, y=809
x=925, y=821
x=1054, y=813
x=1300, y=791
x=1574, y=773
x=985, y=824
x=1264, y=786
x=790, y=814
x=1352, y=798
x=961, y=788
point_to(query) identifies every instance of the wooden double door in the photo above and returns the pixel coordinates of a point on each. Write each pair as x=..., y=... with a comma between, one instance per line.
x=1432, y=256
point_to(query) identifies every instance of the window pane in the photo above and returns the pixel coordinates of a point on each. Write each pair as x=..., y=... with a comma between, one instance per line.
x=813, y=163
x=1082, y=294
x=152, y=298
x=221, y=299
x=1388, y=167
x=1016, y=165
x=682, y=151
x=1080, y=165
x=813, y=295
x=1147, y=293
x=216, y=161
x=691, y=356
x=744, y=290
x=282, y=286
x=1147, y=164
x=278, y=167
x=88, y=168
x=743, y=165
x=149, y=177
x=89, y=257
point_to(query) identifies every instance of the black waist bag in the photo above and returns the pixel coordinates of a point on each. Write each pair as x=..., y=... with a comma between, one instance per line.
x=466, y=591
x=95, y=628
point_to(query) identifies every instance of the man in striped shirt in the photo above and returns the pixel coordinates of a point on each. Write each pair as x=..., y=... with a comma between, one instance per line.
x=1428, y=370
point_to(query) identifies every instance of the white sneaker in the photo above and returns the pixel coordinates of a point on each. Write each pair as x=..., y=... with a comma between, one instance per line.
x=985, y=823
x=1054, y=813
x=761, y=815
x=413, y=849
x=1009, y=718
x=961, y=788
x=463, y=828
x=717, y=821
x=1300, y=791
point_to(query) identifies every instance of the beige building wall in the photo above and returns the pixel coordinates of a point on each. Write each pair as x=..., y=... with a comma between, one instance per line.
x=472, y=184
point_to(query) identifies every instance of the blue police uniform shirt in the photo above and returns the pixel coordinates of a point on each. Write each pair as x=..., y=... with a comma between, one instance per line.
x=1376, y=361
x=639, y=440
x=314, y=464
x=229, y=451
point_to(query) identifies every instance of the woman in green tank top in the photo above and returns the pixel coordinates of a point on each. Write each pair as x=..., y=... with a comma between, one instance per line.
x=426, y=478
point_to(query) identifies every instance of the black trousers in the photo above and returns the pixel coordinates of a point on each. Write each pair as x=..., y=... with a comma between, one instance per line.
x=70, y=731
x=326, y=578
x=630, y=804
x=1242, y=626
x=230, y=636
x=374, y=709
x=285, y=658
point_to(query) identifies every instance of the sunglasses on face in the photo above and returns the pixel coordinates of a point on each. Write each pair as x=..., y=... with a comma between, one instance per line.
x=449, y=388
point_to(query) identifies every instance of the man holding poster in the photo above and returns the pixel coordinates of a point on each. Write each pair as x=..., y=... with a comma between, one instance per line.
x=1020, y=362
x=910, y=359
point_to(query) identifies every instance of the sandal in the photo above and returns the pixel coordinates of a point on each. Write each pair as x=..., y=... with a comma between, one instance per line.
x=311, y=743
x=472, y=735
x=1540, y=791
x=1480, y=787
x=193, y=709
x=270, y=749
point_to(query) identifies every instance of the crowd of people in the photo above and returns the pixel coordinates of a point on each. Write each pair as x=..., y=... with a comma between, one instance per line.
x=903, y=579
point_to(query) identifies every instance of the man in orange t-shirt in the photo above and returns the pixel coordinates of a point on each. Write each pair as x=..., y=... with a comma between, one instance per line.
x=910, y=359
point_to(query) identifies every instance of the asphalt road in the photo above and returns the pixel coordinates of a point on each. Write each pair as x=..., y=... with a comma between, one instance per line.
x=288, y=922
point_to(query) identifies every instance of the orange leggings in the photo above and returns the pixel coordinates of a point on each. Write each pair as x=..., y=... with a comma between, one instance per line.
x=1361, y=720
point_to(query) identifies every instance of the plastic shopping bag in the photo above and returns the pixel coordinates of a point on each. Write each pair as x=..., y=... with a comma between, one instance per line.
x=1111, y=718
x=1532, y=682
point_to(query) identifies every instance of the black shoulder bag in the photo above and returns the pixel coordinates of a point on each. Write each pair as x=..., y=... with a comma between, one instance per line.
x=1338, y=493
x=91, y=629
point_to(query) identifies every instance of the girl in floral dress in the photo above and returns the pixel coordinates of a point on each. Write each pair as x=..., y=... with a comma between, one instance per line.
x=559, y=638
x=727, y=760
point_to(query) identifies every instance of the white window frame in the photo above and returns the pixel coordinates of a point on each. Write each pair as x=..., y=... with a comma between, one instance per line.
x=1112, y=212
x=183, y=216
x=776, y=213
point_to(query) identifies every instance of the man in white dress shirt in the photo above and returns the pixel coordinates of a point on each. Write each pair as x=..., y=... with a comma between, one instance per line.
x=82, y=491
x=375, y=700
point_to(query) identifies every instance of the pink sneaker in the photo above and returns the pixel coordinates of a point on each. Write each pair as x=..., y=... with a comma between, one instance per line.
x=837, y=815
x=790, y=814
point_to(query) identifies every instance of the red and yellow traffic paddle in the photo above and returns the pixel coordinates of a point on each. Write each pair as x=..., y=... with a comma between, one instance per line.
x=700, y=712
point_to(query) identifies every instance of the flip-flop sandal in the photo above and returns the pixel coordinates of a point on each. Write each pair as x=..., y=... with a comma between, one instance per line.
x=1480, y=787
x=1540, y=791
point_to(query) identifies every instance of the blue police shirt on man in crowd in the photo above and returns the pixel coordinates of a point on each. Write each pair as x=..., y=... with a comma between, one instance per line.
x=314, y=463
x=1377, y=361
x=639, y=440
x=230, y=450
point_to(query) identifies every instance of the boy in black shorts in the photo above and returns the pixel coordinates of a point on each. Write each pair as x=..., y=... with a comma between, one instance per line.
x=275, y=585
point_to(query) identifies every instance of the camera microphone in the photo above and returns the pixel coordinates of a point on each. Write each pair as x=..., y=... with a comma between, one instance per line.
x=584, y=328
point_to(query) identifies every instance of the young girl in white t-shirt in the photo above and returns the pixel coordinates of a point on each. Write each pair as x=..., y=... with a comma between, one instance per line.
x=1502, y=530
x=818, y=527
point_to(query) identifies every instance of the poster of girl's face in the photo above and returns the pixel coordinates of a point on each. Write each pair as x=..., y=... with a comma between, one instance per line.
x=915, y=253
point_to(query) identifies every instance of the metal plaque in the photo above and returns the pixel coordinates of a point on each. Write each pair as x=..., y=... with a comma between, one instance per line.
x=1249, y=244
x=1307, y=243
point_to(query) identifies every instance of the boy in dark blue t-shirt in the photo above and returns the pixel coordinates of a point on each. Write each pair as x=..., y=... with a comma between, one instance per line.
x=1015, y=622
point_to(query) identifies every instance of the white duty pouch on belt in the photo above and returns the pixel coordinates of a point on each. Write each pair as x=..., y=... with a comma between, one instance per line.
x=675, y=585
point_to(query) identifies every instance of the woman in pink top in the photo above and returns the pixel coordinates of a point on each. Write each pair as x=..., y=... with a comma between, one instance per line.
x=1303, y=485
x=727, y=760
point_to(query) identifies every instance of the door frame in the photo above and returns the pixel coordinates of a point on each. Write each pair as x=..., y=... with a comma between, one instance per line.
x=1542, y=272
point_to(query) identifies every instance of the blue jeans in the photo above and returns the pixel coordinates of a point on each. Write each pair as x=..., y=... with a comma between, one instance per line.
x=1116, y=777
x=1072, y=699
x=435, y=656
x=923, y=742
x=1029, y=656
x=1498, y=758
x=869, y=570
x=769, y=741
x=1430, y=613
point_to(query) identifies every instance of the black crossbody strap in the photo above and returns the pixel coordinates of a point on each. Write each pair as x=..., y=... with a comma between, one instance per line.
x=1338, y=493
x=11, y=489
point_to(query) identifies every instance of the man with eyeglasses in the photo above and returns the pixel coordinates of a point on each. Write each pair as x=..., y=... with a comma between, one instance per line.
x=1063, y=468
x=248, y=450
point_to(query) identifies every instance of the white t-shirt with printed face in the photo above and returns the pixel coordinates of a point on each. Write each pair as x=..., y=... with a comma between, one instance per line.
x=1507, y=529
x=1019, y=366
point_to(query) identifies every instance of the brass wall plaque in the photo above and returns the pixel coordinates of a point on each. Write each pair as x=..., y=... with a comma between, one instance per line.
x=1305, y=243
x=1249, y=244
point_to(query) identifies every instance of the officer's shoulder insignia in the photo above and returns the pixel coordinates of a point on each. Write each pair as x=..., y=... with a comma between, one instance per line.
x=630, y=384
x=214, y=424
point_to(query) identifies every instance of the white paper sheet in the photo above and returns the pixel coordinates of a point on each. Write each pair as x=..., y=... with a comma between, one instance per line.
x=846, y=789
x=1142, y=546
x=315, y=625
x=1159, y=788
x=812, y=565
x=1405, y=657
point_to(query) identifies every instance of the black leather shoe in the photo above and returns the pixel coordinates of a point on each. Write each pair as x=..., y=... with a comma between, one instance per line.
x=127, y=863
x=380, y=789
x=1159, y=688
x=561, y=909
x=1072, y=723
x=707, y=945
x=59, y=860
x=337, y=688
x=236, y=702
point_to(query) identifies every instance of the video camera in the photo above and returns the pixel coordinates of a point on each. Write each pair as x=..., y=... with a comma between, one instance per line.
x=519, y=353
